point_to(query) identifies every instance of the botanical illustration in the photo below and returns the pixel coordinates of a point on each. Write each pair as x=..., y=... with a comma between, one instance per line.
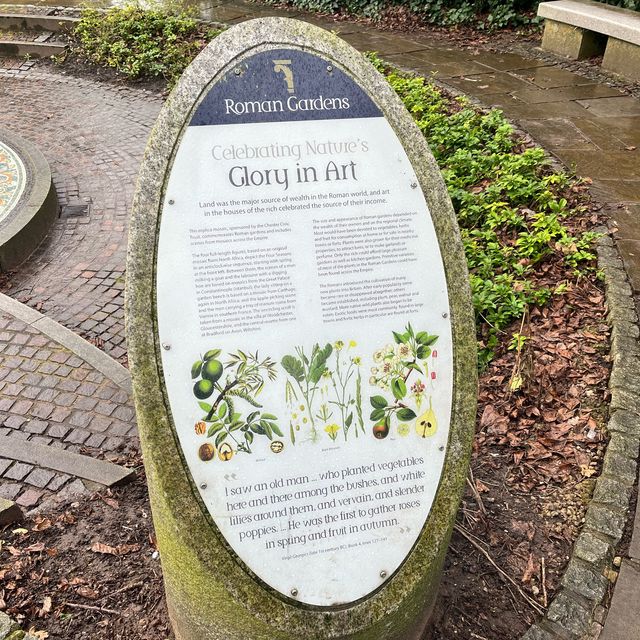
x=402, y=371
x=324, y=391
x=227, y=394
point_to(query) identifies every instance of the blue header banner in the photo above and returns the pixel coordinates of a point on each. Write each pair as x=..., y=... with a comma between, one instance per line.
x=284, y=85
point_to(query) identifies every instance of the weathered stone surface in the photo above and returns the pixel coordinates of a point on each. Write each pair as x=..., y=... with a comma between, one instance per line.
x=624, y=422
x=593, y=549
x=624, y=399
x=236, y=606
x=537, y=633
x=570, y=615
x=571, y=41
x=623, y=58
x=612, y=492
x=7, y=625
x=627, y=329
x=619, y=467
x=9, y=512
x=624, y=445
x=582, y=579
x=605, y=520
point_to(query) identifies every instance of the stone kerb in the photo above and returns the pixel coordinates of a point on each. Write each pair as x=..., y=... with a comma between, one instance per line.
x=196, y=559
x=577, y=611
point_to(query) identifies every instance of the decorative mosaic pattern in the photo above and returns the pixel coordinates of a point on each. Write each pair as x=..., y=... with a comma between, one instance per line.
x=12, y=179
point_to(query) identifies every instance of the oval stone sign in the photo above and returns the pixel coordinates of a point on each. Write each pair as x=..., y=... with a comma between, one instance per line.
x=312, y=353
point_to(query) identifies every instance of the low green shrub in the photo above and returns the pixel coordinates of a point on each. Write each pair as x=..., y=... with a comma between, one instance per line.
x=508, y=201
x=139, y=42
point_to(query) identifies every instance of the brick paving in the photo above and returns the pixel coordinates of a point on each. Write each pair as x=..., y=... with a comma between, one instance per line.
x=50, y=396
x=93, y=135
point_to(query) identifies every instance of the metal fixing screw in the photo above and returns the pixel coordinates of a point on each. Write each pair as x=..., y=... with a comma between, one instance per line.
x=166, y=346
x=237, y=71
x=203, y=485
x=445, y=315
x=294, y=592
x=172, y=201
x=414, y=185
x=441, y=448
x=383, y=574
x=329, y=68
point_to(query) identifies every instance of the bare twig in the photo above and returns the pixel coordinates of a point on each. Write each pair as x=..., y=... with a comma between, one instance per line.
x=544, y=582
x=125, y=588
x=90, y=608
x=532, y=603
x=471, y=481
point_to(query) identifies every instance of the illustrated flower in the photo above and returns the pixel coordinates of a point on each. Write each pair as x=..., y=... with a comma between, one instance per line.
x=386, y=367
x=372, y=380
x=418, y=386
x=378, y=356
x=434, y=354
x=356, y=360
x=403, y=351
x=332, y=430
x=338, y=345
x=326, y=373
x=352, y=344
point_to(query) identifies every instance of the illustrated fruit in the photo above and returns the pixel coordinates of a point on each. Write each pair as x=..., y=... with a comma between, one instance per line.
x=426, y=424
x=202, y=389
x=200, y=428
x=381, y=430
x=212, y=370
x=276, y=446
x=206, y=452
x=225, y=452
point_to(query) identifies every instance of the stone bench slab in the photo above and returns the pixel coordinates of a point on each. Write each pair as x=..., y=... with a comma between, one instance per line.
x=27, y=22
x=622, y=24
x=74, y=464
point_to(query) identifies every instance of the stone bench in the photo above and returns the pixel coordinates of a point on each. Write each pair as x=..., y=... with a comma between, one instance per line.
x=581, y=29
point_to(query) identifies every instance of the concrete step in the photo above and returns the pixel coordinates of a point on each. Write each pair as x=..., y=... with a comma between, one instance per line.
x=20, y=48
x=30, y=22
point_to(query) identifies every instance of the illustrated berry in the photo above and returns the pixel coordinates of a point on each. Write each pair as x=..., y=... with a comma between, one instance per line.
x=202, y=389
x=212, y=370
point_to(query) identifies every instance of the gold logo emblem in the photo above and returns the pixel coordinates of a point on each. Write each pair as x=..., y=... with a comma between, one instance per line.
x=282, y=66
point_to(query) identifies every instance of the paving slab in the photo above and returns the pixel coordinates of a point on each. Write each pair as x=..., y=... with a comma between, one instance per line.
x=621, y=190
x=551, y=77
x=486, y=83
x=608, y=165
x=558, y=133
x=624, y=612
x=506, y=61
x=564, y=94
x=613, y=107
x=80, y=466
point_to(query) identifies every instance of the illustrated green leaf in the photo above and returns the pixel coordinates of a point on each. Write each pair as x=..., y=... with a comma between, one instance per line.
x=196, y=368
x=213, y=429
x=415, y=367
x=399, y=388
x=257, y=428
x=268, y=416
x=293, y=367
x=377, y=414
x=348, y=421
x=220, y=438
x=400, y=338
x=252, y=416
x=319, y=363
x=222, y=410
x=204, y=406
x=410, y=331
x=212, y=353
x=406, y=414
x=276, y=430
x=267, y=429
x=423, y=352
x=235, y=426
x=248, y=436
x=378, y=402
x=292, y=433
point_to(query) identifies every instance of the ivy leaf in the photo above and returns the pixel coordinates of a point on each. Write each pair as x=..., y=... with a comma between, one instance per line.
x=378, y=402
x=196, y=368
x=376, y=414
x=293, y=367
x=404, y=415
x=399, y=388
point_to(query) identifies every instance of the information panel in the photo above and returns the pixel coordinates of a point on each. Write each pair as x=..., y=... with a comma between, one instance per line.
x=304, y=322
